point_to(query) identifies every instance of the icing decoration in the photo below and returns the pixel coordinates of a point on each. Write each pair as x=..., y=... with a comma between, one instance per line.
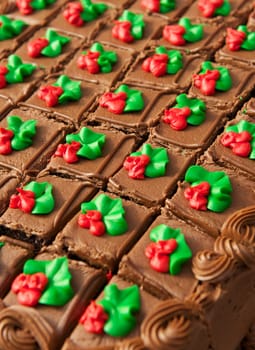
x=9, y=28
x=211, y=8
x=160, y=6
x=212, y=78
x=122, y=100
x=216, y=183
x=114, y=314
x=103, y=211
x=169, y=250
x=187, y=111
x=2, y=244
x=128, y=27
x=62, y=91
x=149, y=162
x=26, y=7
x=46, y=282
x=18, y=135
x=240, y=38
x=50, y=46
x=86, y=144
x=163, y=62
x=96, y=59
x=77, y=13
x=34, y=198
x=15, y=71
x=183, y=32
x=241, y=139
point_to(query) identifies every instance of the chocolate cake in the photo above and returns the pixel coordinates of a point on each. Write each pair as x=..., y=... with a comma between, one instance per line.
x=127, y=147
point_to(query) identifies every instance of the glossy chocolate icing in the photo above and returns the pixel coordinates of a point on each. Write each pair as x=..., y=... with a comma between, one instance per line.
x=9, y=180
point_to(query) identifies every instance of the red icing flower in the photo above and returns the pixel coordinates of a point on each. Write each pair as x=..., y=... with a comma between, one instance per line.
x=197, y=195
x=208, y=7
x=24, y=201
x=136, y=166
x=89, y=62
x=159, y=252
x=5, y=141
x=122, y=31
x=68, y=151
x=92, y=220
x=50, y=94
x=238, y=142
x=29, y=288
x=234, y=39
x=3, y=71
x=114, y=102
x=94, y=318
x=151, y=5
x=207, y=82
x=24, y=6
x=174, y=34
x=157, y=64
x=35, y=47
x=177, y=117
x=72, y=13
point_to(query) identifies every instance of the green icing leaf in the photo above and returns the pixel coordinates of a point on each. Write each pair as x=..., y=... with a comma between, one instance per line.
x=219, y=198
x=224, y=9
x=44, y=200
x=137, y=23
x=72, y=89
x=197, y=107
x=92, y=11
x=224, y=83
x=56, y=41
x=243, y=125
x=181, y=254
x=2, y=244
x=91, y=142
x=106, y=59
x=194, y=32
x=120, y=305
x=58, y=290
x=113, y=213
x=41, y=4
x=134, y=101
x=167, y=6
x=17, y=70
x=175, y=59
x=23, y=132
x=249, y=42
x=158, y=160
x=9, y=28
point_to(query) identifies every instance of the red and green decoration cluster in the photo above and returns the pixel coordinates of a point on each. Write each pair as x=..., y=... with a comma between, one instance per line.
x=45, y=282
x=122, y=100
x=50, y=46
x=129, y=27
x=187, y=111
x=97, y=60
x=212, y=8
x=103, y=215
x=17, y=136
x=79, y=12
x=163, y=62
x=241, y=139
x=34, y=198
x=115, y=313
x=9, y=28
x=212, y=78
x=26, y=7
x=149, y=162
x=240, y=38
x=182, y=33
x=15, y=71
x=168, y=250
x=208, y=190
x=158, y=6
x=86, y=144
x=62, y=91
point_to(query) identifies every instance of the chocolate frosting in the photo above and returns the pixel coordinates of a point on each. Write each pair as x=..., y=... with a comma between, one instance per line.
x=7, y=6
x=130, y=344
